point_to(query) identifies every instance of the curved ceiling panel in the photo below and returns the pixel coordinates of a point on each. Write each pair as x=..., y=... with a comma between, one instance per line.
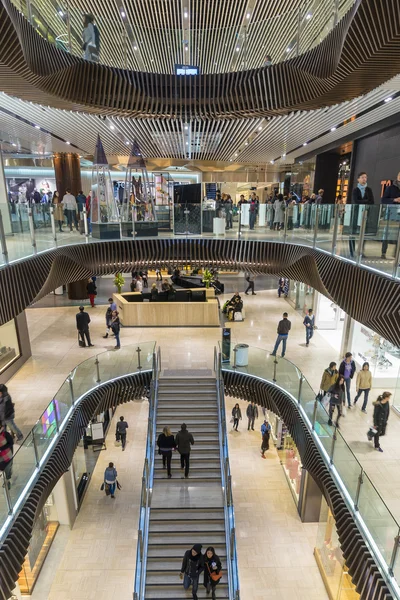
x=25, y=281
x=361, y=566
x=344, y=65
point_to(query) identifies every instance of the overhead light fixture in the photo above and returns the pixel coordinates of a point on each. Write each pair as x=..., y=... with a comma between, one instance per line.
x=283, y=155
x=388, y=99
x=69, y=143
x=260, y=127
x=186, y=48
x=135, y=47
x=186, y=127
x=333, y=128
x=60, y=12
x=246, y=143
x=123, y=15
x=187, y=143
x=15, y=145
x=185, y=14
x=236, y=153
x=288, y=49
x=230, y=160
x=308, y=17
x=112, y=127
x=305, y=143
x=37, y=126
x=127, y=143
x=272, y=162
x=248, y=16
x=237, y=48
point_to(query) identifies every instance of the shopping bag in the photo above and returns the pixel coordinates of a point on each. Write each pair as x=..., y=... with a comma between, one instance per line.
x=107, y=489
x=238, y=316
x=102, y=487
x=371, y=433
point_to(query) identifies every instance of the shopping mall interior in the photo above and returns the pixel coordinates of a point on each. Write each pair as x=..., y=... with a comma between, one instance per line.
x=199, y=299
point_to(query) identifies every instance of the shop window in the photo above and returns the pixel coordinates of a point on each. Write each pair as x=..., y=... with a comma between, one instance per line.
x=9, y=345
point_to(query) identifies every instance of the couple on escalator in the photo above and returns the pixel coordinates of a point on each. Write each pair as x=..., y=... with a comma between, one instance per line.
x=194, y=563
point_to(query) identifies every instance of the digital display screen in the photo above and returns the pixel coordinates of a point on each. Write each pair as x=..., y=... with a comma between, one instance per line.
x=49, y=423
x=187, y=70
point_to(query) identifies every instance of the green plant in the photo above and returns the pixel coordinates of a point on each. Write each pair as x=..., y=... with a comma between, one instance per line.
x=119, y=282
x=207, y=277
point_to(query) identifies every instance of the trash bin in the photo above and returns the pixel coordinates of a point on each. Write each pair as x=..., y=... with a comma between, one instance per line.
x=242, y=355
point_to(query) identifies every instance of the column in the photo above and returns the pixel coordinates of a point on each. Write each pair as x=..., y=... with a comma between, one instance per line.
x=67, y=168
x=310, y=499
x=4, y=204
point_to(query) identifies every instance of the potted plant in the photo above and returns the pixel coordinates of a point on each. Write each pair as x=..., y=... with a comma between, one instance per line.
x=119, y=282
x=207, y=277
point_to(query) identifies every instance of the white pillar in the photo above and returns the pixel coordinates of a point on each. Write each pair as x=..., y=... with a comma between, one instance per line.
x=4, y=205
x=262, y=211
x=65, y=500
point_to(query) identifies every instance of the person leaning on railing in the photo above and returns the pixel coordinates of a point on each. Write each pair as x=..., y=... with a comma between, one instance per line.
x=391, y=195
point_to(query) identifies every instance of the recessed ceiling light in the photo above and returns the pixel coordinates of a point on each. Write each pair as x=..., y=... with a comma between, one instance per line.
x=237, y=48
x=185, y=14
x=37, y=126
x=186, y=127
x=127, y=143
x=187, y=143
x=248, y=16
x=60, y=12
x=230, y=160
x=186, y=48
x=333, y=128
x=305, y=143
x=123, y=15
x=68, y=143
x=259, y=129
x=308, y=17
x=283, y=155
x=112, y=127
x=288, y=49
x=15, y=145
x=388, y=99
x=135, y=47
x=246, y=143
x=272, y=162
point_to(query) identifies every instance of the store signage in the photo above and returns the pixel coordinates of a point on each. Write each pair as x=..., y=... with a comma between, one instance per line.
x=187, y=70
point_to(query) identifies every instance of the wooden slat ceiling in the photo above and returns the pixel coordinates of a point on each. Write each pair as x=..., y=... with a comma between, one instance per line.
x=216, y=35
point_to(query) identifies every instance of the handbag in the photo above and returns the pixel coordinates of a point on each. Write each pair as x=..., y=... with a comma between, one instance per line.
x=80, y=341
x=238, y=316
x=214, y=576
x=119, y=486
x=371, y=433
x=107, y=489
x=102, y=487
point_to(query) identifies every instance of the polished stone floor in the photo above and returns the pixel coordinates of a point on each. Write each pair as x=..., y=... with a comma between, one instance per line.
x=55, y=353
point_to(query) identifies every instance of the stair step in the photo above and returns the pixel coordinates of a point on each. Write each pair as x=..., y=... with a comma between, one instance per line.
x=200, y=429
x=176, y=591
x=170, y=579
x=193, y=475
x=163, y=417
x=170, y=565
x=206, y=538
x=165, y=412
x=195, y=464
x=161, y=552
x=187, y=513
x=186, y=526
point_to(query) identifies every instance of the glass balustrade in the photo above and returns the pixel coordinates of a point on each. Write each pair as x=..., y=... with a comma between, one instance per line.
x=21, y=471
x=361, y=494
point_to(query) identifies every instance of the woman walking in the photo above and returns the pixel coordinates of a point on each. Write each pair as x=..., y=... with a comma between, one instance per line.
x=329, y=377
x=279, y=207
x=110, y=478
x=212, y=571
x=166, y=443
x=337, y=393
x=265, y=442
x=236, y=415
x=58, y=210
x=381, y=415
x=115, y=328
x=363, y=384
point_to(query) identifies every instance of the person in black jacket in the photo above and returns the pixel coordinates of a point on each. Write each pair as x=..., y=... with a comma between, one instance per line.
x=183, y=441
x=284, y=326
x=337, y=399
x=82, y=325
x=390, y=196
x=6, y=453
x=361, y=194
x=236, y=415
x=115, y=328
x=166, y=443
x=252, y=415
x=92, y=291
x=347, y=369
x=192, y=566
x=212, y=568
x=381, y=415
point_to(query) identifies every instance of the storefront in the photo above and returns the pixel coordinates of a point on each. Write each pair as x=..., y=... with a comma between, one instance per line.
x=301, y=296
x=330, y=560
x=329, y=319
x=9, y=345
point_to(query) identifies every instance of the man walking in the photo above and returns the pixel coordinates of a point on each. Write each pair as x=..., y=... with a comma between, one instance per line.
x=347, y=369
x=109, y=313
x=192, y=567
x=183, y=441
x=82, y=325
x=120, y=433
x=252, y=415
x=309, y=322
x=284, y=326
x=70, y=208
x=250, y=278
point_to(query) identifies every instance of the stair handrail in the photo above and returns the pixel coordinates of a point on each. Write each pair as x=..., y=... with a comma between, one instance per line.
x=226, y=480
x=147, y=483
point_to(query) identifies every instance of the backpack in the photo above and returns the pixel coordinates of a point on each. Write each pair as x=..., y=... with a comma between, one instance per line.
x=96, y=36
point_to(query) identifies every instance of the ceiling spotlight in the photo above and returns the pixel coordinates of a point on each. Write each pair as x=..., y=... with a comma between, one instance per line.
x=305, y=143
x=187, y=143
x=388, y=99
x=37, y=126
x=236, y=153
x=112, y=127
x=185, y=14
x=288, y=49
x=123, y=15
x=308, y=17
x=272, y=162
x=186, y=48
x=237, y=48
x=60, y=12
x=68, y=143
x=246, y=143
x=15, y=145
x=248, y=16
x=186, y=127
x=230, y=160
x=283, y=155
x=135, y=47
x=127, y=143
x=333, y=128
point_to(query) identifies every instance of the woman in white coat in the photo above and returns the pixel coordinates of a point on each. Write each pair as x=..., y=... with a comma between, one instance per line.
x=279, y=207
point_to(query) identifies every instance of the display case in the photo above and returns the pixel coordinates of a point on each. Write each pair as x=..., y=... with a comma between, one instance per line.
x=291, y=463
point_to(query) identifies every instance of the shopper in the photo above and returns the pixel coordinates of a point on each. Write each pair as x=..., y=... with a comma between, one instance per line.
x=115, y=328
x=265, y=427
x=6, y=453
x=251, y=414
x=337, y=399
x=183, y=442
x=236, y=416
x=250, y=278
x=265, y=443
x=110, y=479
x=7, y=412
x=381, y=415
x=362, y=194
x=212, y=571
x=158, y=274
x=91, y=291
x=145, y=279
x=391, y=196
x=82, y=325
x=363, y=384
x=109, y=313
x=284, y=327
x=329, y=377
x=58, y=211
x=279, y=207
x=120, y=432
x=80, y=202
x=91, y=39
x=347, y=369
x=252, y=212
x=139, y=285
x=166, y=443
x=192, y=566
x=309, y=323
x=320, y=197
x=70, y=208
x=154, y=292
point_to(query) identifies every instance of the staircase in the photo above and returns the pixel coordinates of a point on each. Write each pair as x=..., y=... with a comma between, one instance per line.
x=186, y=511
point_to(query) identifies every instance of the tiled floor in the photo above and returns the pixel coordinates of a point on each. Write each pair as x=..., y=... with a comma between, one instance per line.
x=55, y=352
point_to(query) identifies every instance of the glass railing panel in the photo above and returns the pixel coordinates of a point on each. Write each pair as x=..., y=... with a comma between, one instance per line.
x=3, y=500
x=307, y=399
x=287, y=376
x=84, y=377
x=303, y=225
x=381, y=238
x=349, y=227
x=324, y=431
x=396, y=567
x=46, y=428
x=326, y=227
x=19, y=470
x=346, y=465
x=63, y=400
x=377, y=517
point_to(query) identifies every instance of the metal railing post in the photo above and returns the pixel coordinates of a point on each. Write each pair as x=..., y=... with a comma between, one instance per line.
x=240, y=221
x=85, y=223
x=314, y=413
x=232, y=543
x=144, y=488
x=97, y=363
x=335, y=229
x=229, y=490
x=138, y=350
x=396, y=256
x=53, y=225
x=32, y=229
x=316, y=224
x=300, y=387
x=71, y=389
x=359, y=484
x=36, y=450
x=234, y=358
x=140, y=542
x=7, y=494
x=285, y=224
x=3, y=240
x=394, y=553
x=333, y=446
x=362, y=235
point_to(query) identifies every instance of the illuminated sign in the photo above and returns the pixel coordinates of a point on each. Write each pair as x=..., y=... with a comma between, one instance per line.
x=187, y=70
